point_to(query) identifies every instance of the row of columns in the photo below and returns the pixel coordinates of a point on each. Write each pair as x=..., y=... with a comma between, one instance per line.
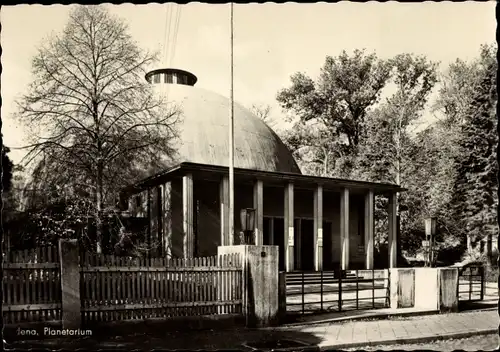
x=165, y=225
x=289, y=234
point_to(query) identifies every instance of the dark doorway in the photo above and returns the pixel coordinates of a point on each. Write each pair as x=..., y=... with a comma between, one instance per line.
x=266, y=231
x=307, y=245
x=327, y=246
x=279, y=240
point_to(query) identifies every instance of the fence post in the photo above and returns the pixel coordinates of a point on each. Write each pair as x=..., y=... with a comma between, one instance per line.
x=282, y=296
x=340, y=289
x=482, y=282
x=70, y=284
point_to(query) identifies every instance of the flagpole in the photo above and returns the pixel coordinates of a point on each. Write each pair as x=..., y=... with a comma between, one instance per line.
x=231, y=144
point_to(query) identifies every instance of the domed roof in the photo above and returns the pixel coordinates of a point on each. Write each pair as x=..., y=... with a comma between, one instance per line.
x=204, y=132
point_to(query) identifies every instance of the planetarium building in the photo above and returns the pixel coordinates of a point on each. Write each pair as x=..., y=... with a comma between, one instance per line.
x=318, y=223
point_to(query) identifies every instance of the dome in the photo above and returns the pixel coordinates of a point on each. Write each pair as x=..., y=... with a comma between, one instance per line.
x=204, y=132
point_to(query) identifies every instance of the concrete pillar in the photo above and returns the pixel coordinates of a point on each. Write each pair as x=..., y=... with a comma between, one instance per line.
x=392, y=242
x=224, y=211
x=258, y=204
x=149, y=216
x=260, y=286
x=289, y=227
x=427, y=288
x=167, y=219
x=369, y=228
x=318, y=228
x=188, y=215
x=448, y=289
x=402, y=291
x=70, y=284
x=344, y=228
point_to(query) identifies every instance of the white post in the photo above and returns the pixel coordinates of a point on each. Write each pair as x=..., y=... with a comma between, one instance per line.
x=318, y=228
x=344, y=228
x=392, y=230
x=258, y=204
x=231, y=142
x=187, y=215
x=289, y=227
x=369, y=228
x=224, y=211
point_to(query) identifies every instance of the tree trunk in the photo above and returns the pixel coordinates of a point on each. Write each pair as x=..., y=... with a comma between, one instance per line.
x=99, y=208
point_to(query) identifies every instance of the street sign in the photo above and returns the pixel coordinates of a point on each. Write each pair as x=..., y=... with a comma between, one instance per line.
x=425, y=243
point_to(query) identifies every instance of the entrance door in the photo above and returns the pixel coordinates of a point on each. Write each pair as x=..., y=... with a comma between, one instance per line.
x=307, y=245
x=266, y=231
x=327, y=246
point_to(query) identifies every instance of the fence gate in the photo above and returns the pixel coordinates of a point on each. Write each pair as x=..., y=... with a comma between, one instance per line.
x=471, y=283
x=336, y=291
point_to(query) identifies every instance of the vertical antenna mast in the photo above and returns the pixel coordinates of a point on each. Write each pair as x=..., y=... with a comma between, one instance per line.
x=231, y=145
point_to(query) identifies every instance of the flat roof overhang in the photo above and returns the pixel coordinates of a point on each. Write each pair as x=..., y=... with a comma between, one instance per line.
x=277, y=179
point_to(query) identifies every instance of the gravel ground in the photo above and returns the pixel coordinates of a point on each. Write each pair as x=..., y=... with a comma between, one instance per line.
x=476, y=343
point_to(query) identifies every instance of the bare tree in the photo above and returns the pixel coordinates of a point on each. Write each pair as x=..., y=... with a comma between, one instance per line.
x=261, y=111
x=96, y=122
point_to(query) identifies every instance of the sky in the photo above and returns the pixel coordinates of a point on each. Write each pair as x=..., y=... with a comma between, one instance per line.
x=271, y=42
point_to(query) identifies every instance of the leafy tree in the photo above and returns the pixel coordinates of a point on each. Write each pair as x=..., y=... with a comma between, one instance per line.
x=477, y=184
x=386, y=152
x=339, y=100
x=96, y=123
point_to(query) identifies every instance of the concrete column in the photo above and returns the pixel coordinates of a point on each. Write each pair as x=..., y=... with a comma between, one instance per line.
x=392, y=242
x=426, y=288
x=167, y=219
x=188, y=215
x=402, y=292
x=224, y=211
x=289, y=227
x=260, y=286
x=369, y=228
x=159, y=220
x=344, y=228
x=318, y=228
x=149, y=215
x=70, y=284
x=258, y=204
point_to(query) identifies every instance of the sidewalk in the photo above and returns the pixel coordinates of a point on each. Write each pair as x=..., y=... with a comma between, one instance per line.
x=404, y=329
x=346, y=334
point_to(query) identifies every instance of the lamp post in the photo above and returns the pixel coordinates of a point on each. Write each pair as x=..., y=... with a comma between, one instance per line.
x=430, y=231
x=247, y=217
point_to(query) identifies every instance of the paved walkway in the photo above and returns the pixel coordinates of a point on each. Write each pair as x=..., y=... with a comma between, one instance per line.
x=336, y=335
x=403, y=329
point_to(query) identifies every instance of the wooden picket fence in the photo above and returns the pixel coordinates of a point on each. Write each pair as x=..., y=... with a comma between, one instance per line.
x=31, y=286
x=118, y=288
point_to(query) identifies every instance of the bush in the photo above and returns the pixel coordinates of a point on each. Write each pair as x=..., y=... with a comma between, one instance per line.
x=491, y=273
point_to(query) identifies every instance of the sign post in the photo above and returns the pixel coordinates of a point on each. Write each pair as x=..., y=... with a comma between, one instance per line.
x=430, y=231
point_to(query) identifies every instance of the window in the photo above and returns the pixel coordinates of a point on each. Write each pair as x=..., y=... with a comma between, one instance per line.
x=157, y=78
x=169, y=78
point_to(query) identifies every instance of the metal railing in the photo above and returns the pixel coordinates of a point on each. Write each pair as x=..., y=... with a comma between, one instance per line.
x=471, y=283
x=336, y=291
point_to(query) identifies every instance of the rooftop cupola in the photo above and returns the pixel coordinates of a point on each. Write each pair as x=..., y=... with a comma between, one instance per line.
x=171, y=76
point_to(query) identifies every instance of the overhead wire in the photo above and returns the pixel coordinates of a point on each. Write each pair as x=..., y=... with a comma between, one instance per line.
x=176, y=32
